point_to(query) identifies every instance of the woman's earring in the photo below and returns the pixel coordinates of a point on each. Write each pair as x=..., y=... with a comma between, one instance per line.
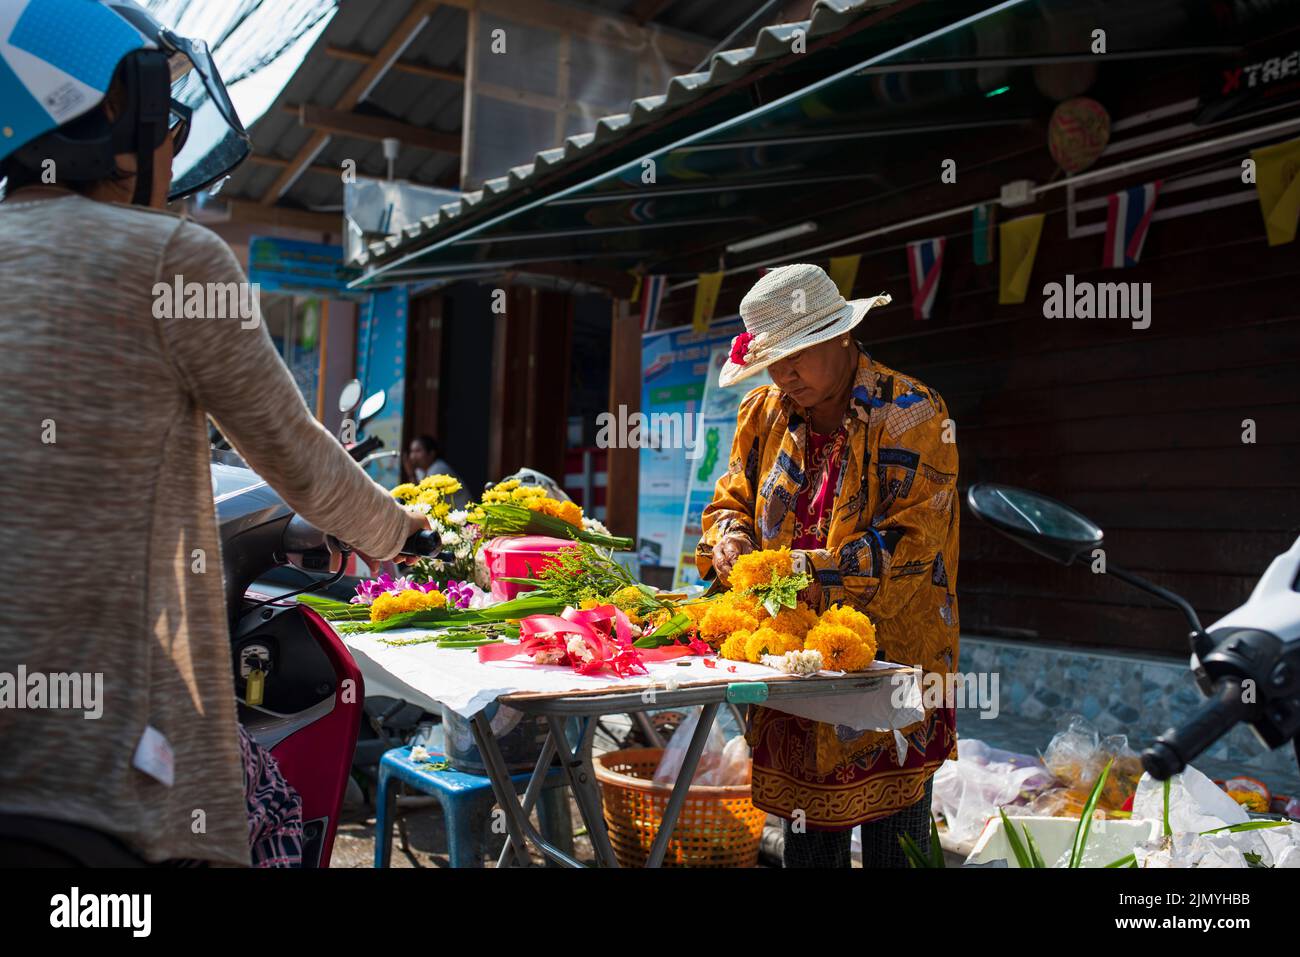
x=845, y=343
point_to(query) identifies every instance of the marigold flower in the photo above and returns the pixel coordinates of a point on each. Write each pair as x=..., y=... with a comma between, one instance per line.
x=722, y=620
x=855, y=621
x=841, y=648
x=394, y=603
x=768, y=641
x=565, y=511
x=757, y=568
x=733, y=649
x=793, y=621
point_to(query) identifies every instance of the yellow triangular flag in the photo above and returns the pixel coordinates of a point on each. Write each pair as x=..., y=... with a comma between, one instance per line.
x=1017, y=246
x=636, y=288
x=706, y=300
x=843, y=272
x=1277, y=180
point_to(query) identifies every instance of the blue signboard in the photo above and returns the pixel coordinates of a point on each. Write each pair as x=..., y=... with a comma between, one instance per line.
x=674, y=370
x=291, y=265
x=381, y=365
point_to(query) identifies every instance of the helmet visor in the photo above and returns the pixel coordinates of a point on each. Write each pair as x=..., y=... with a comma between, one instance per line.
x=217, y=141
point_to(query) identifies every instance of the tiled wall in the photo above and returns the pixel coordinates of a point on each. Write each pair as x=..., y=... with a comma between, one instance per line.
x=1121, y=694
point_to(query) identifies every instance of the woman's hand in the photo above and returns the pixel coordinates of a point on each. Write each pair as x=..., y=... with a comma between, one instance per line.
x=416, y=521
x=726, y=552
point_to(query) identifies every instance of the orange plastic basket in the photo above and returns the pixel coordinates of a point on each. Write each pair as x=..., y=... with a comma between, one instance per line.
x=717, y=827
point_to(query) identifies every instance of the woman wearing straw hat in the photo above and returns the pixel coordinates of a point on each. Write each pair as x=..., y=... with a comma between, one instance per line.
x=852, y=466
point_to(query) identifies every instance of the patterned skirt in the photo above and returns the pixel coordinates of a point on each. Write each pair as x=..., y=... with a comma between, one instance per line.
x=838, y=779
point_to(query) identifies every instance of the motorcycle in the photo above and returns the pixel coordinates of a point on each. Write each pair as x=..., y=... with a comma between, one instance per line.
x=1247, y=664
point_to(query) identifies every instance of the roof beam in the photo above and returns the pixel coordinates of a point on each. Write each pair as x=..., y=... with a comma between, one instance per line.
x=345, y=123
x=404, y=66
x=357, y=90
x=247, y=211
x=646, y=10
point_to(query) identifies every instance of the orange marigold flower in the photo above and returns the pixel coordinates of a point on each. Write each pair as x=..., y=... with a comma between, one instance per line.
x=756, y=568
x=565, y=511
x=854, y=620
x=841, y=648
x=792, y=621
x=722, y=620
x=768, y=641
x=733, y=649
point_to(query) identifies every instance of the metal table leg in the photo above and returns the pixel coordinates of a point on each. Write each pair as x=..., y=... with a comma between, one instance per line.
x=582, y=780
x=683, y=785
x=502, y=786
x=535, y=784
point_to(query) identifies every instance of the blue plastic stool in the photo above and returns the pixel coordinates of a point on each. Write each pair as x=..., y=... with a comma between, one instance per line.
x=466, y=801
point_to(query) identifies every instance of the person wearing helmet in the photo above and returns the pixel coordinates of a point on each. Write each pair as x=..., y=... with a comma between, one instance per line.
x=104, y=116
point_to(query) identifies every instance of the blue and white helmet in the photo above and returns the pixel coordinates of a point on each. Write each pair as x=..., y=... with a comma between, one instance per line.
x=58, y=59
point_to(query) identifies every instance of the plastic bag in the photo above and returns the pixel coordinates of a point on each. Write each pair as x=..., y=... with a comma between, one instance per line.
x=1197, y=805
x=968, y=791
x=734, y=768
x=670, y=764
x=1077, y=755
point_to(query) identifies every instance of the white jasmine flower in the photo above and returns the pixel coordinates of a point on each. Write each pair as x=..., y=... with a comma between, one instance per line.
x=419, y=753
x=578, y=649
x=807, y=662
x=551, y=656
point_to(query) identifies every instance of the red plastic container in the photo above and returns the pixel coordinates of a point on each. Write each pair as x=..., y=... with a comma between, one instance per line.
x=518, y=556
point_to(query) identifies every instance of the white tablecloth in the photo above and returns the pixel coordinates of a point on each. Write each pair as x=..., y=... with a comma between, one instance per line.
x=429, y=676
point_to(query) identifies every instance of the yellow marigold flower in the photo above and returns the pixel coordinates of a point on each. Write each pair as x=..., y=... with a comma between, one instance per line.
x=768, y=641
x=841, y=648
x=792, y=621
x=405, y=492
x=742, y=602
x=412, y=599
x=756, y=568
x=855, y=621
x=721, y=621
x=384, y=606
x=733, y=649
x=565, y=511
x=695, y=610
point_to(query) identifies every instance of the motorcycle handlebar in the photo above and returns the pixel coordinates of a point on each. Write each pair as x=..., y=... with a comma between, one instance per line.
x=423, y=544
x=1176, y=748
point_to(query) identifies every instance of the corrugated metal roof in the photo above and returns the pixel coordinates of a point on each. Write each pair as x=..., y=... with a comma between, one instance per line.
x=725, y=67
x=427, y=102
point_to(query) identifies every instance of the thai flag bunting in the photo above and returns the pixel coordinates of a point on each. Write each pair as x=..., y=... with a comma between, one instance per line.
x=1128, y=218
x=924, y=263
x=652, y=296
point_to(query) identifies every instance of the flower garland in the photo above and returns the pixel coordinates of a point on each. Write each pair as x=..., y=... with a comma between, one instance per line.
x=760, y=620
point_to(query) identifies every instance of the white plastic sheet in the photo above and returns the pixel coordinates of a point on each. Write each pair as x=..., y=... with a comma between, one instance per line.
x=430, y=676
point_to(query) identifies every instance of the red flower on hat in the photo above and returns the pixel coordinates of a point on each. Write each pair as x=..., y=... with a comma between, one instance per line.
x=740, y=347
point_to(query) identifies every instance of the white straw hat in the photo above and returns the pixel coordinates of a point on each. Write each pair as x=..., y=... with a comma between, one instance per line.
x=789, y=309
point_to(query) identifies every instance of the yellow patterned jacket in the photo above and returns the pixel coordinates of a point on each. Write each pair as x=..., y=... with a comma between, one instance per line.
x=891, y=548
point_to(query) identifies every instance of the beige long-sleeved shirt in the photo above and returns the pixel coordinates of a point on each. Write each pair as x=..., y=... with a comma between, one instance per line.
x=106, y=507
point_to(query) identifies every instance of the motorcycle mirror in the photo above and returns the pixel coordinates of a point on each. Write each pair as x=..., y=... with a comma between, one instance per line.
x=370, y=408
x=1039, y=523
x=350, y=395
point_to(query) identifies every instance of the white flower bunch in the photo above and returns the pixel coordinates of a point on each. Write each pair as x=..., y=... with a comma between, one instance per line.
x=806, y=662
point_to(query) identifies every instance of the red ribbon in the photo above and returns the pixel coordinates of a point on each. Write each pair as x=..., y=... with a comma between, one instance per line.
x=606, y=634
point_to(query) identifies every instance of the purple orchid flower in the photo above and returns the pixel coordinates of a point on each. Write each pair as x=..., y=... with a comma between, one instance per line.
x=459, y=593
